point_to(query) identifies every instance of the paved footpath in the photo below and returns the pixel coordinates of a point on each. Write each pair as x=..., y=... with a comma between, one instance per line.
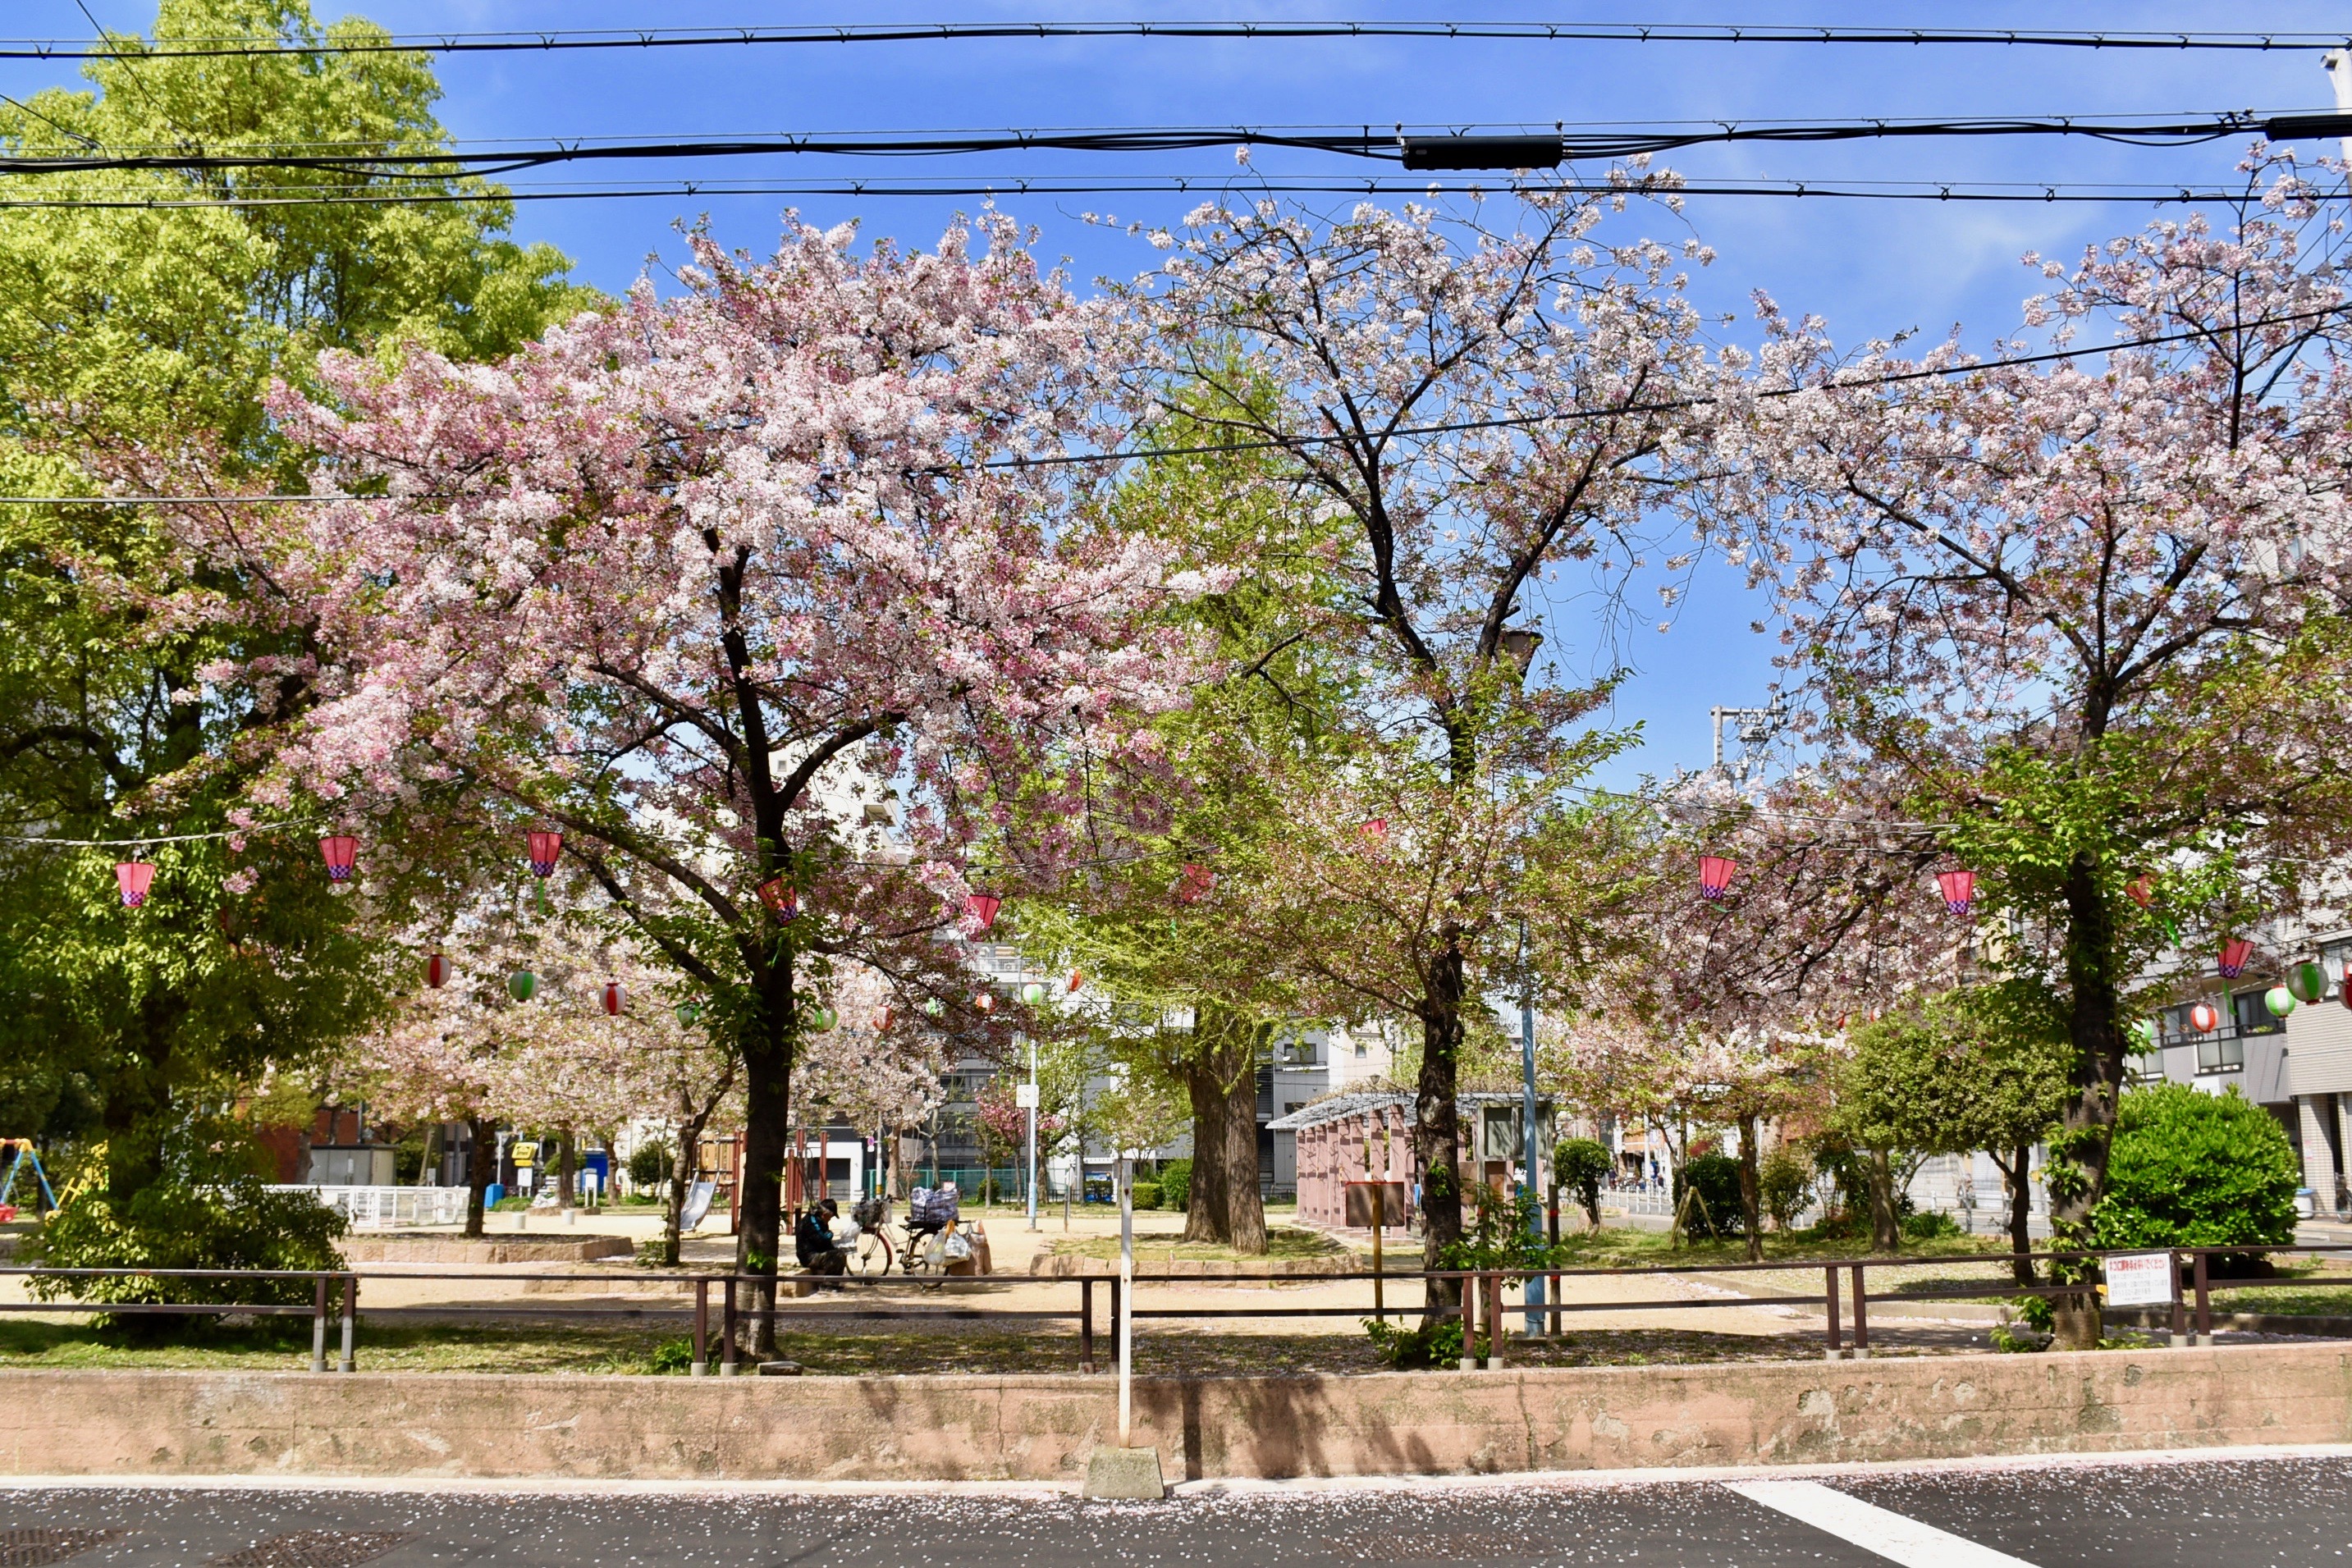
x=2248, y=1511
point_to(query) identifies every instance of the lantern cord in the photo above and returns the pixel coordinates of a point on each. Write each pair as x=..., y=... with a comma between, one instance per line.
x=151, y=839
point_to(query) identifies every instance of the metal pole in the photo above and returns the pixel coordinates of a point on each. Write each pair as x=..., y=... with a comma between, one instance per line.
x=1085, y=1325
x=727, y=1332
x=1533, y=1292
x=351, y=1310
x=1828, y=1298
x=1469, y=1285
x=2339, y=77
x=1379, y=1214
x=701, y=1367
x=319, y=1326
x=1126, y=1304
x=1861, y=1318
x=1033, y=1134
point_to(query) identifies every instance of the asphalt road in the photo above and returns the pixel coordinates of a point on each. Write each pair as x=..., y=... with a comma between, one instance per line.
x=2245, y=1514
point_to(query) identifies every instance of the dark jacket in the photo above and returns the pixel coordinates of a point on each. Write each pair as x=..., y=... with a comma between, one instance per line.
x=812, y=1237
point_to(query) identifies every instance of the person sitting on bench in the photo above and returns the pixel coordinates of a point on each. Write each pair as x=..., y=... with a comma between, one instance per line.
x=813, y=1240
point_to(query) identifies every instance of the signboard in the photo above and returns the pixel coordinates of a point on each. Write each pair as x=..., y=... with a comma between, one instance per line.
x=525, y=1154
x=1024, y=1096
x=1394, y=1205
x=2140, y=1280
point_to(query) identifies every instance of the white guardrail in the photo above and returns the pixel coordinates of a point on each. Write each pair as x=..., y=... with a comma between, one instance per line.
x=377, y=1207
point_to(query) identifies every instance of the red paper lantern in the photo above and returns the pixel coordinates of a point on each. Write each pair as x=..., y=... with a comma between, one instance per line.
x=436, y=970
x=985, y=1002
x=2236, y=954
x=341, y=851
x=616, y=998
x=2205, y=1017
x=134, y=877
x=1377, y=827
x=982, y=907
x=1959, y=890
x=2142, y=889
x=779, y=897
x=1195, y=884
x=1715, y=874
x=546, y=848
x=882, y=1020
x=1077, y=979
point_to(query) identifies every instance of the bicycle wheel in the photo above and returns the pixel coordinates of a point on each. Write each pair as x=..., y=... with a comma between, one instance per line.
x=871, y=1255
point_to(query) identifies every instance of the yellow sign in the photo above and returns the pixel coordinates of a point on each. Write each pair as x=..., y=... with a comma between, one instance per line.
x=526, y=1154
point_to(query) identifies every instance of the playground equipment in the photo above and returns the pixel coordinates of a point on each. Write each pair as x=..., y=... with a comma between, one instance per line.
x=14, y=1155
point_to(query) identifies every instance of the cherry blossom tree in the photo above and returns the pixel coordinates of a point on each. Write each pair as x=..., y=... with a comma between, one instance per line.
x=2092, y=609
x=1478, y=410
x=759, y=588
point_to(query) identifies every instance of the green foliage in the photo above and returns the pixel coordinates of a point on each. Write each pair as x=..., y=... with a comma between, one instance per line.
x=1176, y=1183
x=2191, y=1169
x=1437, y=1347
x=1148, y=1194
x=1784, y=1184
x=1580, y=1164
x=1503, y=1233
x=1929, y=1227
x=1714, y=1181
x=1986, y=1068
x=671, y=1356
x=650, y=1164
x=209, y=1210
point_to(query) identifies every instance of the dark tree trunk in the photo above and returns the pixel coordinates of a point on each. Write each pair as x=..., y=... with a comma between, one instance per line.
x=480, y=1165
x=1244, y=1205
x=2020, y=1214
x=1437, y=1130
x=1750, y=1191
x=2078, y=1164
x=767, y=1113
x=1885, y=1234
x=1205, y=1219
x=566, y=1156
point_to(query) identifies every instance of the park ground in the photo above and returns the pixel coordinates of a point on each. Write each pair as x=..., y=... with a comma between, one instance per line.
x=2252, y=1509
x=510, y=1317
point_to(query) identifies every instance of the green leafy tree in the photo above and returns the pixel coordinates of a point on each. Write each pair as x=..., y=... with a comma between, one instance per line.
x=2192, y=1169
x=137, y=342
x=1580, y=1164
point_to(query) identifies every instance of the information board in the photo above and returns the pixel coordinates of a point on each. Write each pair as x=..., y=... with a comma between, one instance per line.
x=2140, y=1280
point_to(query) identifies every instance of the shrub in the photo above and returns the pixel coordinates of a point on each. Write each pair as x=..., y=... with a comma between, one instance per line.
x=1148, y=1194
x=1579, y=1165
x=672, y=1355
x=1784, y=1184
x=2191, y=1169
x=1929, y=1227
x=649, y=1165
x=1176, y=1184
x=1406, y=1349
x=1715, y=1179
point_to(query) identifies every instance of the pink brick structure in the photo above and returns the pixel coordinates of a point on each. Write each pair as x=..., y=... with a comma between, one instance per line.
x=1367, y=1136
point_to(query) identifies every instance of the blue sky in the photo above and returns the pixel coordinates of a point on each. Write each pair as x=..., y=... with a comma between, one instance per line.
x=1871, y=268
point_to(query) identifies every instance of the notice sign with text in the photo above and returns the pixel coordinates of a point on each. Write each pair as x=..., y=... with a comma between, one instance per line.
x=1024, y=1096
x=2140, y=1280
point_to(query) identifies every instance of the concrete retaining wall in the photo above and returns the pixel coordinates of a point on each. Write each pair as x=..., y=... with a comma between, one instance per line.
x=1044, y=1428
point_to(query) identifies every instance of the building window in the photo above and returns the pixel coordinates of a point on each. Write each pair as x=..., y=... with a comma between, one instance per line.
x=2333, y=957
x=2253, y=1015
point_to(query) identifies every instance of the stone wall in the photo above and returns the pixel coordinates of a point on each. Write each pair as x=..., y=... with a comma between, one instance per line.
x=1044, y=1428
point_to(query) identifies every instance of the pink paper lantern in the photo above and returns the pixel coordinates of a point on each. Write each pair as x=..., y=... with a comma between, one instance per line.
x=1715, y=873
x=341, y=851
x=2142, y=889
x=1195, y=884
x=982, y=907
x=779, y=897
x=546, y=848
x=2236, y=954
x=1377, y=827
x=1959, y=890
x=134, y=877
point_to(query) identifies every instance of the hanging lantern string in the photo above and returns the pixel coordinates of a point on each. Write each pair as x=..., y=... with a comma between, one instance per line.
x=151, y=838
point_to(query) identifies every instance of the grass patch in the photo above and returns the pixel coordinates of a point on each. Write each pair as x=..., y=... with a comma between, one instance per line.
x=1626, y=1245
x=2286, y=1301
x=1283, y=1244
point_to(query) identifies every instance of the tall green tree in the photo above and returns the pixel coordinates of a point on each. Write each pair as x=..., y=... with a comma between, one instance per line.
x=138, y=335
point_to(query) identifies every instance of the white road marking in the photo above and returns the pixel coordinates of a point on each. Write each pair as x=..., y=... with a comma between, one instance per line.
x=1890, y=1535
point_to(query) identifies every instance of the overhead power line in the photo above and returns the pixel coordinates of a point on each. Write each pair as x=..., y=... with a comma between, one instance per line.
x=1460, y=149
x=1566, y=416
x=1219, y=183
x=559, y=40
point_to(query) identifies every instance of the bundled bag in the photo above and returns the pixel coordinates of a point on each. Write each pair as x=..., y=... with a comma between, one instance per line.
x=957, y=1247
x=980, y=1252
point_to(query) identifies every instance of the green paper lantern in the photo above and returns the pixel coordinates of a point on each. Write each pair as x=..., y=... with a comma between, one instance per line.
x=522, y=985
x=2143, y=1032
x=2279, y=1001
x=934, y=1006
x=689, y=1014
x=2307, y=981
x=1032, y=993
x=822, y=1019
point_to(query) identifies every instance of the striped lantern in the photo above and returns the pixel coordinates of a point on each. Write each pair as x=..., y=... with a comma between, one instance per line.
x=522, y=985
x=436, y=970
x=616, y=998
x=2307, y=980
x=2205, y=1017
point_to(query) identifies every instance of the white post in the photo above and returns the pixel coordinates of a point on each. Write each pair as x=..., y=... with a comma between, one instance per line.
x=2339, y=76
x=1126, y=1304
x=1033, y=1134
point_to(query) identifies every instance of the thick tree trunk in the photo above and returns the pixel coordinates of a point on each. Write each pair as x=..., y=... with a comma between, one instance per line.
x=566, y=1157
x=2078, y=1164
x=1751, y=1209
x=1437, y=1128
x=767, y=1113
x=1205, y=1219
x=2020, y=1214
x=1244, y=1205
x=480, y=1165
x=1885, y=1233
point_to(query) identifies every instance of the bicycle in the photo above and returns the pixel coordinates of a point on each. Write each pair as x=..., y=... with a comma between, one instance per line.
x=870, y=1254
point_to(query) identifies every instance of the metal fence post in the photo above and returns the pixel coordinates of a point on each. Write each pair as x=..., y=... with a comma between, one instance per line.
x=701, y=1367
x=2204, y=1303
x=1829, y=1298
x=727, y=1332
x=1085, y=1325
x=2180, y=1307
x=1861, y=1317
x=1469, y=1322
x=1495, y=1321
x=351, y=1311
x=318, y=1324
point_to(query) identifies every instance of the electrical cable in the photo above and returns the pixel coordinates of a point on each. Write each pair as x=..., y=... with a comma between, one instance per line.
x=1501, y=421
x=2048, y=193
x=560, y=40
x=1448, y=151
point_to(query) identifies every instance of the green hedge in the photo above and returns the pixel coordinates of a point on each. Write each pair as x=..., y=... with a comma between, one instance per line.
x=1715, y=1178
x=2191, y=1169
x=1176, y=1184
x=1147, y=1194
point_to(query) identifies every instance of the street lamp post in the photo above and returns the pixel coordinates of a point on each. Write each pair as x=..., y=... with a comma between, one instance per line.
x=1530, y=1155
x=1030, y=1099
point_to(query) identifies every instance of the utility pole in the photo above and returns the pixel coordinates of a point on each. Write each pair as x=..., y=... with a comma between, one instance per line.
x=1029, y=1100
x=2338, y=64
x=1530, y=1152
